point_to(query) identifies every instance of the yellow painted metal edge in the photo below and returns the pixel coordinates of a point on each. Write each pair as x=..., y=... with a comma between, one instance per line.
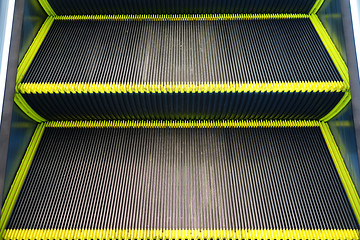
x=342, y=170
x=181, y=17
x=182, y=88
x=22, y=104
x=46, y=6
x=20, y=177
x=180, y=124
x=316, y=6
x=333, y=52
x=178, y=234
x=34, y=47
x=340, y=106
x=24, y=65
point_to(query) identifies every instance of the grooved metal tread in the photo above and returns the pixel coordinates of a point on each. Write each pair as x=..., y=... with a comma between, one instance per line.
x=182, y=178
x=182, y=52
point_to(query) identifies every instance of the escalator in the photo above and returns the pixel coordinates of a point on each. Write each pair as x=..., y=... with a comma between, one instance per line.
x=182, y=120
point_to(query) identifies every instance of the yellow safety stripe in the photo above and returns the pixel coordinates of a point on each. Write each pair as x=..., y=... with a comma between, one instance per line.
x=316, y=6
x=181, y=124
x=330, y=47
x=179, y=234
x=20, y=177
x=182, y=88
x=46, y=6
x=342, y=170
x=34, y=47
x=181, y=17
x=340, y=106
x=22, y=104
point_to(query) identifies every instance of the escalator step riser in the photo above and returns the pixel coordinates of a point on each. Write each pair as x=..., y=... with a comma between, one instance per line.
x=74, y=7
x=100, y=106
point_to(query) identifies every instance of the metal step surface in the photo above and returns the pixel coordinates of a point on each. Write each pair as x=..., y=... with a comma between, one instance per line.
x=163, y=179
x=181, y=52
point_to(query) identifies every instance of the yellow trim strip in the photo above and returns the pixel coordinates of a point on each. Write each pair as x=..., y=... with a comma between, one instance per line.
x=46, y=6
x=169, y=88
x=34, y=47
x=181, y=17
x=330, y=47
x=180, y=124
x=340, y=106
x=342, y=170
x=316, y=6
x=20, y=177
x=22, y=104
x=132, y=234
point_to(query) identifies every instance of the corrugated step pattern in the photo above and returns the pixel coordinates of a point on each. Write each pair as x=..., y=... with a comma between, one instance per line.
x=164, y=106
x=182, y=52
x=139, y=55
x=75, y=7
x=182, y=178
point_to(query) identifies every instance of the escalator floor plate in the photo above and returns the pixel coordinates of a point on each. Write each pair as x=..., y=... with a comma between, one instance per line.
x=158, y=179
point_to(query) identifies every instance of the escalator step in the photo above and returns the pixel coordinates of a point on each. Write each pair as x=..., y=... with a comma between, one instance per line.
x=181, y=52
x=112, y=69
x=75, y=7
x=162, y=179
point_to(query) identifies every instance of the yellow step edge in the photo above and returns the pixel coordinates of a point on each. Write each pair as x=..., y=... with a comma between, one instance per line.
x=24, y=106
x=331, y=49
x=338, y=61
x=24, y=65
x=46, y=6
x=34, y=47
x=316, y=6
x=181, y=124
x=27, y=88
x=132, y=234
x=342, y=170
x=181, y=17
x=337, y=109
x=20, y=177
